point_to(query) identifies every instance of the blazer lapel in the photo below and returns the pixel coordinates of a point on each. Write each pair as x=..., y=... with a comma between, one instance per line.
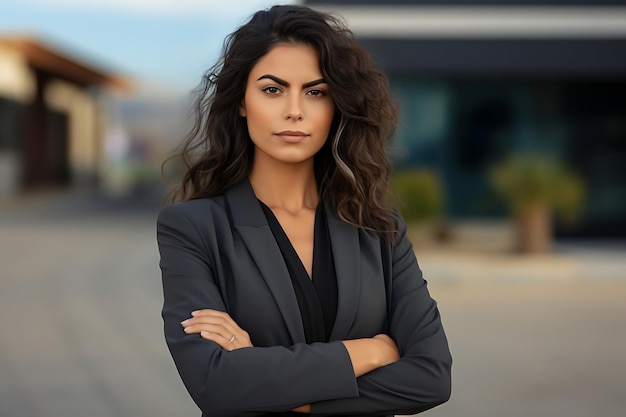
x=346, y=254
x=250, y=222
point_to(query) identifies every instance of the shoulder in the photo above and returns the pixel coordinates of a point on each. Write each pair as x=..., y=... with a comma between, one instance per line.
x=237, y=206
x=215, y=203
x=201, y=224
x=399, y=222
x=397, y=232
x=198, y=211
x=395, y=242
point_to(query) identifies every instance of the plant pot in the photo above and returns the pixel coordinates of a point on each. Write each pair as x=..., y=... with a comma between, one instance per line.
x=534, y=229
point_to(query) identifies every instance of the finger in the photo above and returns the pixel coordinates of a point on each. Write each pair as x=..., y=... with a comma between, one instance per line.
x=212, y=324
x=206, y=313
x=209, y=312
x=217, y=318
x=237, y=339
x=227, y=328
x=228, y=341
x=209, y=318
x=227, y=344
x=197, y=328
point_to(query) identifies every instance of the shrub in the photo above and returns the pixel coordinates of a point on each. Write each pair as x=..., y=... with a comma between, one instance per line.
x=419, y=195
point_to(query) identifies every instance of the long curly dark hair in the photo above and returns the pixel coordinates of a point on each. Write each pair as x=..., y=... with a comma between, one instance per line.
x=352, y=168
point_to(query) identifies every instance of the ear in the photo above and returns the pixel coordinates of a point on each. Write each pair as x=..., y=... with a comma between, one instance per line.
x=242, y=109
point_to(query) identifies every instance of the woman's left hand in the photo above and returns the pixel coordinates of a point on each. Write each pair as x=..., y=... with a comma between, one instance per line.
x=218, y=327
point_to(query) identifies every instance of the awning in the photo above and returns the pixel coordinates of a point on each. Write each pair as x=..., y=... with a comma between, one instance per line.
x=541, y=57
x=44, y=58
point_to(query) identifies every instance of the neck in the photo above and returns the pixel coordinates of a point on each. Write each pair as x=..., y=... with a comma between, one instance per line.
x=291, y=187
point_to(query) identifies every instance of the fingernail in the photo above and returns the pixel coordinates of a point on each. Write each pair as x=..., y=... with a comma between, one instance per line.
x=193, y=313
x=184, y=322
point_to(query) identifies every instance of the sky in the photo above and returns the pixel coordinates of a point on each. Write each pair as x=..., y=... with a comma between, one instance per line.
x=158, y=43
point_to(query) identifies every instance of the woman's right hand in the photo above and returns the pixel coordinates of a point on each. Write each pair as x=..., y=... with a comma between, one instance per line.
x=371, y=353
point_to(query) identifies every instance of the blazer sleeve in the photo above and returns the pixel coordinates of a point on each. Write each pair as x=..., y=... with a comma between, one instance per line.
x=421, y=379
x=245, y=381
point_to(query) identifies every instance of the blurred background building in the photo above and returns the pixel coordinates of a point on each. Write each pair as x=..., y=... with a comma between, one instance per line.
x=52, y=118
x=480, y=81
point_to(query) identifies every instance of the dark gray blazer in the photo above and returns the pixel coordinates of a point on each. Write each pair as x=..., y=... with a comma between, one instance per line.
x=219, y=253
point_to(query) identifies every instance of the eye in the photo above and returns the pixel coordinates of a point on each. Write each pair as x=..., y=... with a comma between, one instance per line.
x=316, y=93
x=271, y=90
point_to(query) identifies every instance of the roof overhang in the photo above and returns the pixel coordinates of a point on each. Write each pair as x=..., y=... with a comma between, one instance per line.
x=456, y=39
x=43, y=58
x=506, y=57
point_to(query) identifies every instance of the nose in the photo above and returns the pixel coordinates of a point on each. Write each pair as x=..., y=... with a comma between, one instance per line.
x=294, y=111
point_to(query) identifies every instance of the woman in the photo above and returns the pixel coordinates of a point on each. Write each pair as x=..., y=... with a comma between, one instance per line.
x=289, y=284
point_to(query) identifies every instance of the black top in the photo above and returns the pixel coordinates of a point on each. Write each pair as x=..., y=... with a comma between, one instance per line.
x=317, y=296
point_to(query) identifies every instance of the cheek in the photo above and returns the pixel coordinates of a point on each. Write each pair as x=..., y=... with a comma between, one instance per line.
x=257, y=115
x=326, y=115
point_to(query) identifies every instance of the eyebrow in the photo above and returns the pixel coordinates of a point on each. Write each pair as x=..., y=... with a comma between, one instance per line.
x=286, y=84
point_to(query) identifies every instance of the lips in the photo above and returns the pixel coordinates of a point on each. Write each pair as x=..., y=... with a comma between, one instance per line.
x=291, y=136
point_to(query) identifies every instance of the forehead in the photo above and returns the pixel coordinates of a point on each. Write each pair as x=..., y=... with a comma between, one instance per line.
x=295, y=61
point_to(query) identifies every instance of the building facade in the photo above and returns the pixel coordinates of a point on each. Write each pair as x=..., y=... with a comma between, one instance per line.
x=51, y=117
x=479, y=80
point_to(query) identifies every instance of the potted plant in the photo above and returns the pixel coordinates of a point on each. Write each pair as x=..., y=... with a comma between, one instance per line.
x=536, y=187
x=419, y=197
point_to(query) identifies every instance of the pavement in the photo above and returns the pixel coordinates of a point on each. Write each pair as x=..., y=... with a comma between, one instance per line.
x=81, y=334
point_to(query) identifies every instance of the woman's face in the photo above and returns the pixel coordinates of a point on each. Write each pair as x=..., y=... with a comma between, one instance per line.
x=287, y=105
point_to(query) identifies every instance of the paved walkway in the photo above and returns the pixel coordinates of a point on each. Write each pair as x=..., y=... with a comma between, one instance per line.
x=80, y=331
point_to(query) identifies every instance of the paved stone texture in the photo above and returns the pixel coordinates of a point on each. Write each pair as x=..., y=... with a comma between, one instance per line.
x=80, y=327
